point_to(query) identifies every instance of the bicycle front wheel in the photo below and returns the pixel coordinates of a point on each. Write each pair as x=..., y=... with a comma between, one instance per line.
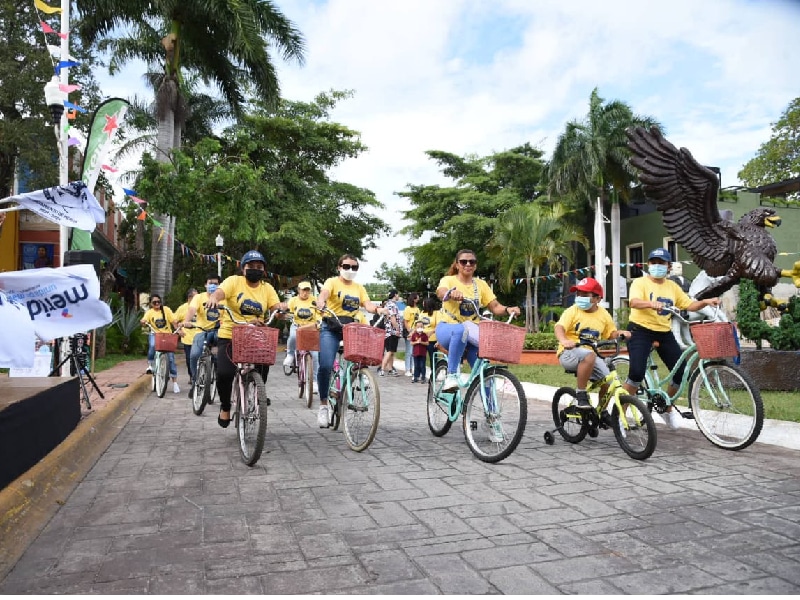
x=494, y=429
x=162, y=374
x=438, y=409
x=336, y=391
x=570, y=422
x=362, y=410
x=637, y=434
x=308, y=384
x=200, y=390
x=726, y=404
x=252, y=426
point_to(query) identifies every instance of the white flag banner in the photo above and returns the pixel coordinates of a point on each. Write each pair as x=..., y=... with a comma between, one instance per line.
x=60, y=302
x=70, y=205
x=17, y=338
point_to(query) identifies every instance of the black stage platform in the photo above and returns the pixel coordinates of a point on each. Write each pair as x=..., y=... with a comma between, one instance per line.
x=36, y=415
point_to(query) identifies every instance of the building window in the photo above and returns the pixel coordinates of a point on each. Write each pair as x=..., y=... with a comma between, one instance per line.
x=635, y=254
x=672, y=247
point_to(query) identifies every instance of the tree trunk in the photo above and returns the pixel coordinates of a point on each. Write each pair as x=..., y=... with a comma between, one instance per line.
x=528, y=303
x=162, y=244
x=536, y=300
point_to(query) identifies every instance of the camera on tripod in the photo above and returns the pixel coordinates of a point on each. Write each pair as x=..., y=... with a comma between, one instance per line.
x=79, y=348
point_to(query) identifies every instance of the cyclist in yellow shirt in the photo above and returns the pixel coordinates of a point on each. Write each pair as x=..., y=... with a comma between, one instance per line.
x=205, y=320
x=187, y=335
x=303, y=313
x=160, y=318
x=250, y=299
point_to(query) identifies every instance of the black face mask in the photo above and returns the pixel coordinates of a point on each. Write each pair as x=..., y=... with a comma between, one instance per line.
x=253, y=275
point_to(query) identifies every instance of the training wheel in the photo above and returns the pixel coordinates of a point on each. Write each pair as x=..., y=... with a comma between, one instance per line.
x=593, y=431
x=548, y=438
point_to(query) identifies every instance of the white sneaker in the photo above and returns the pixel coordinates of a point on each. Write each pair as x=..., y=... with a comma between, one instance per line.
x=409, y=374
x=322, y=417
x=674, y=419
x=175, y=388
x=289, y=360
x=623, y=434
x=450, y=383
x=496, y=433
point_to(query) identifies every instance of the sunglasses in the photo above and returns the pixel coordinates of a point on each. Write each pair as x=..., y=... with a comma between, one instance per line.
x=348, y=267
x=156, y=302
x=467, y=261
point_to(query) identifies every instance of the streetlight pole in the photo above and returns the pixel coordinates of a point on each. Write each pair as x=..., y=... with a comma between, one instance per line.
x=63, y=148
x=220, y=243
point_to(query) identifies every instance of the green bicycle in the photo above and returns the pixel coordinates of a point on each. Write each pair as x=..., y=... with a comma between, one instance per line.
x=723, y=400
x=494, y=409
x=626, y=415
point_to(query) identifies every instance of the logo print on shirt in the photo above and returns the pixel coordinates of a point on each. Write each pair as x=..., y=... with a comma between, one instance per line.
x=350, y=303
x=251, y=307
x=303, y=313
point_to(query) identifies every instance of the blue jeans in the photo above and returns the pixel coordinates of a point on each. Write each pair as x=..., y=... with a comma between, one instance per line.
x=151, y=355
x=197, y=348
x=291, y=348
x=328, y=347
x=409, y=355
x=453, y=336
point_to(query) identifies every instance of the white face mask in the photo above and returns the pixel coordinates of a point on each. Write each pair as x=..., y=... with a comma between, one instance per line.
x=419, y=329
x=348, y=275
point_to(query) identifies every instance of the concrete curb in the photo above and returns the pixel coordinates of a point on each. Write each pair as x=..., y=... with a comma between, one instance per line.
x=29, y=502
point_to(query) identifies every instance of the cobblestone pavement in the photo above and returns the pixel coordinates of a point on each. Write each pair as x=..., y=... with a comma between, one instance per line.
x=170, y=508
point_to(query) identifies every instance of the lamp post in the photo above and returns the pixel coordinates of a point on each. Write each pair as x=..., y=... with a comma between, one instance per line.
x=220, y=243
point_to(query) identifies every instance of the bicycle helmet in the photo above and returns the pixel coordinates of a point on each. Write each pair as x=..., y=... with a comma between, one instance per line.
x=253, y=256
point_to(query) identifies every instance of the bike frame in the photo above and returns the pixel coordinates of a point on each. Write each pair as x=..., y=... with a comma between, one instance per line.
x=455, y=401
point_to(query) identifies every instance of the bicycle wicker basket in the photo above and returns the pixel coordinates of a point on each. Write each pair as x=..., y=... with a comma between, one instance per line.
x=166, y=342
x=308, y=338
x=715, y=340
x=500, y=342
x=255, y=345
x=363, y=343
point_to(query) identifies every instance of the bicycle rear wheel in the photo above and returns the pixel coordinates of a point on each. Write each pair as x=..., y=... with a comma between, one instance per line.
x=726, y=404
x=438, y=409
x=307, y=390
x=212, y=385
x=161, y=374
x=637, y=436
x=200, y=390
x=252, y=418
x=336, y=391
x=494, y=430
x=362, y=410
x=570, y=422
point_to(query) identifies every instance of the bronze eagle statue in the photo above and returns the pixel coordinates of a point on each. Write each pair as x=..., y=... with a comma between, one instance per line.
x=686, y=193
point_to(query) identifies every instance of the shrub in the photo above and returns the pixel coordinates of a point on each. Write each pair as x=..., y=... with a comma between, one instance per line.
x=541, y=341
x=786, y=336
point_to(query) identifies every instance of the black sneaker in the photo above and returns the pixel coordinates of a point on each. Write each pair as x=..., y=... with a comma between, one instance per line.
x=583, y=401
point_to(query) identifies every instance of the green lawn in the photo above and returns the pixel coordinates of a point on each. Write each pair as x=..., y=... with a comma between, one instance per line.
x=777, y=405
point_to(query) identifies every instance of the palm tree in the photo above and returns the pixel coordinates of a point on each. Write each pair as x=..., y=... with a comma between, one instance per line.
x=591, y=160
x=225, y=42
x=532, y=236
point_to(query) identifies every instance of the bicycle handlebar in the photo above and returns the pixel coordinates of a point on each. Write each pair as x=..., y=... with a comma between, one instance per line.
x=257, y=323
x=597, y=344
x=475, y=305
x=676, y=312
x=328, y=311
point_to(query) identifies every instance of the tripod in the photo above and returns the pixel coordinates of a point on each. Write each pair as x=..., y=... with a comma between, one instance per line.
x=77, y=363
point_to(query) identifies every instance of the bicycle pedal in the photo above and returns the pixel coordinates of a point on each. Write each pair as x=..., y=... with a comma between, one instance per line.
x=688, y=414
x=269, y=402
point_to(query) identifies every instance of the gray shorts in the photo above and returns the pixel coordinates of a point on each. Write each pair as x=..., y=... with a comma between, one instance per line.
x=570, y=359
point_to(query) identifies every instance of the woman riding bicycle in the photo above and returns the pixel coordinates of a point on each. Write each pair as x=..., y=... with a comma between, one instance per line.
x=248, y=297
x=456, y=289
x=344, y=297
x=205, y=319
x=649, y=322
x=301, y=308
x=160, y=318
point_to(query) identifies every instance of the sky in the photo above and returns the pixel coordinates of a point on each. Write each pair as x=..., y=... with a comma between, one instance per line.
x=475, y=77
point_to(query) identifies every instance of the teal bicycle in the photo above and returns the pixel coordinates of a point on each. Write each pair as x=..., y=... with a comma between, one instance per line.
x=723, y=400
x=494, y=409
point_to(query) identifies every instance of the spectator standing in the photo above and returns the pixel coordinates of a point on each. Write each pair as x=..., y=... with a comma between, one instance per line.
x=394, y=329
x=410, y=316
x=419, y=343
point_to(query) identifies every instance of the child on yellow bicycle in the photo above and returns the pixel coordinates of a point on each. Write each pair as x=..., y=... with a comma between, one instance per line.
x=585, y=320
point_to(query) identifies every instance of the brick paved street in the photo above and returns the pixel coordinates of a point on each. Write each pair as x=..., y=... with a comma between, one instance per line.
x=170, y=508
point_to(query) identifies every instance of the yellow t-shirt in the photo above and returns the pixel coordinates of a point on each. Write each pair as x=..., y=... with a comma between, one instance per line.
x=180, y=315
x=410, y=316
x=577, y=324
x=247, y=303
x=429, y=322
x=668, y=292
x=346, y=298
x=303, y=311
x=205, y=318
x=161, y=321
x=458, y=311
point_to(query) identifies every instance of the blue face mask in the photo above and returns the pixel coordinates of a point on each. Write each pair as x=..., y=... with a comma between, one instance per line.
x=211, y=288
x=583, y=302
x=657, y=271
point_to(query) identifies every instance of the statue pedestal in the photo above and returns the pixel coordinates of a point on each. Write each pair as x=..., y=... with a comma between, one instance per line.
x=774, y=370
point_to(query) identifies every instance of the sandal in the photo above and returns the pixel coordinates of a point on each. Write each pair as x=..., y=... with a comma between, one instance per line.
x=223, y=422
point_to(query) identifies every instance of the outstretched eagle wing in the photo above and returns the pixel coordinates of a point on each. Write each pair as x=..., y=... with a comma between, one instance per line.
x=686, y=193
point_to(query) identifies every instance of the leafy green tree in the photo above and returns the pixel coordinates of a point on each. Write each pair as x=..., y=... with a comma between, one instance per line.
x=528, y=237
x=463, y=215
x=591, y=160
x=265, y=184
x=230, y=43
x=779, y=158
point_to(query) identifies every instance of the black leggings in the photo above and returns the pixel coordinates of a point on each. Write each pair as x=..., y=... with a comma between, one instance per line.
x=639, y=349
x=226, y=371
